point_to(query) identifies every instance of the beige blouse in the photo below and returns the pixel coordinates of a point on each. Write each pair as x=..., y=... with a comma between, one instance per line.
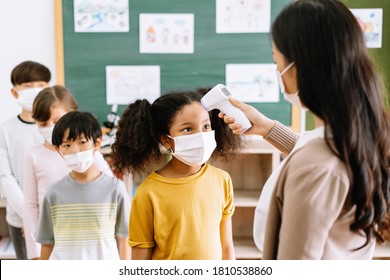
x=309, y=216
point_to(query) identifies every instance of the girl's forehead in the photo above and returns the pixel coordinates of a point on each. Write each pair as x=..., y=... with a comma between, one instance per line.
x=56, y=110
x=191, y=112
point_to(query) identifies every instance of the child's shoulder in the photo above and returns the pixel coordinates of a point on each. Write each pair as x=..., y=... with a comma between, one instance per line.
x=10, y=123
x=113, y=183
x=39, y=150
x=57, y=187
x=216, y=170
x=112, y=180
x=107, y=184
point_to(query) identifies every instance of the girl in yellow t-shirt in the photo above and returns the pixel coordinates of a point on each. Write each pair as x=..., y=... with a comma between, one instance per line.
x=183, y=210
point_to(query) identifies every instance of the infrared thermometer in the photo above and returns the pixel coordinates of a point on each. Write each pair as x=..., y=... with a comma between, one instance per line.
x=217, y=98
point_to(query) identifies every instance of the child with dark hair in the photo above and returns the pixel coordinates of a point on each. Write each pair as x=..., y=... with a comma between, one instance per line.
x=184, y=209
x=43, y=165
x=85, y=214
x=17, y=136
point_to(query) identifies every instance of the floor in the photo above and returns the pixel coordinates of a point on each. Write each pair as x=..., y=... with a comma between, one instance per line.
x=6, y=249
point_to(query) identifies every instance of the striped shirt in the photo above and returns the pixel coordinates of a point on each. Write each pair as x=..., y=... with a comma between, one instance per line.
x=42, y=169
x=82, y=219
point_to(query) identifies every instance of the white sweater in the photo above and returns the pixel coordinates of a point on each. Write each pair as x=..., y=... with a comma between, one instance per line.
x=16, y=139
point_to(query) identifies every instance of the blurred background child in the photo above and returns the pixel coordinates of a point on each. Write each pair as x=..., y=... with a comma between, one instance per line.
x=17, y=136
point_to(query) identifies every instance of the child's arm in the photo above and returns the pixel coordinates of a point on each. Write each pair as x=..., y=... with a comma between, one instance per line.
x=123, y=248
x=46, y=251
x=227, y=239
x=141, y=253
x=31, y=207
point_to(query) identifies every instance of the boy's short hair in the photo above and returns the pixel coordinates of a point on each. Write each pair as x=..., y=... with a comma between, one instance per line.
x=30, y=71
x=78, y=123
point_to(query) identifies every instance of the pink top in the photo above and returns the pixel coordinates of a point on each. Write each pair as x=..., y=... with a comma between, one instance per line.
x=42, y=168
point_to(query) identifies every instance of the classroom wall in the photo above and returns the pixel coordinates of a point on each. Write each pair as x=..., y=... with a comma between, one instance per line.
x=26, y=33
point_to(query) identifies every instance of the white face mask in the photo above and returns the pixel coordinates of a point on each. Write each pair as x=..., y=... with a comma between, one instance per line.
x=279, y=77
x=27, y=96
x=194, y=149
x=47, y=133
x=293, y=98
x=81, y=161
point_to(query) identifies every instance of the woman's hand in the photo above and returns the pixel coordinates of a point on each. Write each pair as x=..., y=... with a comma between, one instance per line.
x=261, y=125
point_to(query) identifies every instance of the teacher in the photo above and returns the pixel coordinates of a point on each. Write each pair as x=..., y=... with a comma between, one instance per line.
x=331, y=196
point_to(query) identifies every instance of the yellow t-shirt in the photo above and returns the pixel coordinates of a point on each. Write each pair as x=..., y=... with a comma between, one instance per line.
x=180, y=217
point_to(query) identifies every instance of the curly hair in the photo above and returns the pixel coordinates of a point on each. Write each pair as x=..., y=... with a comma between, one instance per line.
x=137, y=143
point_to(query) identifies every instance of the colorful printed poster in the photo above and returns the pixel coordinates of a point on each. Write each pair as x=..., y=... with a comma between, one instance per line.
x=243, y=16
x=166, y=33
x=125, y=84
x=101, y=15
x=370, y=21
x=253, y=82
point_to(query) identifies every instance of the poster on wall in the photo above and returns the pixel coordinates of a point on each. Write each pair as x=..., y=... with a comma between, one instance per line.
x=253, y=82
x=243, y=16
x=166, y=33
x=125, y=84
x=370, y=21
x=101, y=15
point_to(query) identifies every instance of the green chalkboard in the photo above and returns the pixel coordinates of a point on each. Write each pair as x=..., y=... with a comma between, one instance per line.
x=381, y=56
x=87, y=54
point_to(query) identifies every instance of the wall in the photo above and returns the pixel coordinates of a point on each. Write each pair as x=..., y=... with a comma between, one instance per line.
x=86, y=56
x=26, y=33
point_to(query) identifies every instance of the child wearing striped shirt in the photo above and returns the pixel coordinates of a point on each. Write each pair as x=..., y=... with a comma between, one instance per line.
x=84, y=215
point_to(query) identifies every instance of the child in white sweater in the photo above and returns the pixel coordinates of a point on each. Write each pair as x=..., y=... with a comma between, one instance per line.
x=17, y=136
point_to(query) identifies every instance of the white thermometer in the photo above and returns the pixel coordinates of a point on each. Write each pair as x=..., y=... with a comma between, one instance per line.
x=217, y=98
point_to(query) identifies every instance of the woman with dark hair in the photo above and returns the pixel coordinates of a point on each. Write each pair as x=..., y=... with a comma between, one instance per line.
x=331, y=199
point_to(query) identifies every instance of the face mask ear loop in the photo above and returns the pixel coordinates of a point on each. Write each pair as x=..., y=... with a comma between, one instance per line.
x=60, y=153
x=169, y=150
x=287, y=68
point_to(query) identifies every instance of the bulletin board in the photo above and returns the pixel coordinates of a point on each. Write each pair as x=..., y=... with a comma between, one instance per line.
x=82, y=57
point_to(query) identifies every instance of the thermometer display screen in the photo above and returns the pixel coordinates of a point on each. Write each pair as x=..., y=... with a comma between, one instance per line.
x=225, y=92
